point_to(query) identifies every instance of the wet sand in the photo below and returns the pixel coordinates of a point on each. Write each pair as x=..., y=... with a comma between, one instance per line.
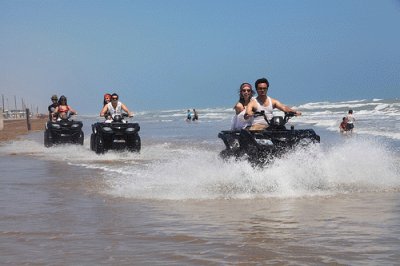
x=16, y=128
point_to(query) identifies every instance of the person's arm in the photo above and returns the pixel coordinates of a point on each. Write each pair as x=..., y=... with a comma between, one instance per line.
x=72, y=111
x=249, y=110
x=104, y=110
x=277, y=104
x=238, y=108
x=123, y=107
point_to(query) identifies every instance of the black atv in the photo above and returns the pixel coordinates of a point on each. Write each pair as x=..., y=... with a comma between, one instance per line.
x=116, y=135
x=261, y=146
x=62, y=131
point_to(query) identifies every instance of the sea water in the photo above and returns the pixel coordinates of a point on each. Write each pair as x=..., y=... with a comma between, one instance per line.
x=178, y=202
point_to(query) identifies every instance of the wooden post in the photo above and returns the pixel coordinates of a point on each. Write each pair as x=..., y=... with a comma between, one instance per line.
x=28, y=123
x=1, y=119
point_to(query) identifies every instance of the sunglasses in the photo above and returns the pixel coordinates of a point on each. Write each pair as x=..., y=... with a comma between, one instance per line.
x=115, y=99
x=244, y=90
x=262, y=89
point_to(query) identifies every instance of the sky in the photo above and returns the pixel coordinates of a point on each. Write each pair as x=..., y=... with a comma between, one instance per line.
x=180, y=54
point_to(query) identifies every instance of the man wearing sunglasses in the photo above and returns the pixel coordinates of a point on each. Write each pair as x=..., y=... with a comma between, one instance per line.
x=266, y=104
x=115, y=107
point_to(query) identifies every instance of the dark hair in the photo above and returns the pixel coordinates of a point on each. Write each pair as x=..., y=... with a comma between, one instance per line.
x=241, y=98
x=62, y=97
x=261, y=80
x=350, y=111
x=114, y=94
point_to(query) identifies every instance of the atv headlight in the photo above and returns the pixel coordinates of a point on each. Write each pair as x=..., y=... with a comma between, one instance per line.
x=265, y=142
x=107, y=129
x=57, y=126
x=130, y=129
x=75, y=125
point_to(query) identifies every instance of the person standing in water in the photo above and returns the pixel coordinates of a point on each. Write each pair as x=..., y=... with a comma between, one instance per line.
x=195, y=115
x=350, y=121
x=188, y=115
x=343, y=125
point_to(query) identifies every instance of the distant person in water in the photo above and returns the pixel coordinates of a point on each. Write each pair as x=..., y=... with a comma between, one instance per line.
x=343, y=125
x=245, y=96
x=350, y=121
x=266, y=104
x=188, y=115
x=195, y=115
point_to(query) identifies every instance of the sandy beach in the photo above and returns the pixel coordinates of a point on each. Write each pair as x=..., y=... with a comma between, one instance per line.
x=14, y=129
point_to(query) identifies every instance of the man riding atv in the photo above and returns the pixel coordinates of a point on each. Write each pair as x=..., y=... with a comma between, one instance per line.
x=266, y=104
x=115, y=133
x=114, y=108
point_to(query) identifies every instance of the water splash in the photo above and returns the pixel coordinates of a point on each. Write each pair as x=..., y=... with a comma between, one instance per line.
x=354, y=166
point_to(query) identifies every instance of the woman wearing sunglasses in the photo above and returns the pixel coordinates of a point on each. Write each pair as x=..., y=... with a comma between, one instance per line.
x=245, y=97
x=63, y=110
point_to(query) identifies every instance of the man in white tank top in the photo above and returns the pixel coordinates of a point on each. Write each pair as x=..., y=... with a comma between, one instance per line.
x=266, y=104
x=115, y=107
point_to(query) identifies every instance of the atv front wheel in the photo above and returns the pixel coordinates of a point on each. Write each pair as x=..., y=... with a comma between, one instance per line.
x=92, y=141
x=47, y=139
x=99, y=145
x=134, y=144
x=81, y=138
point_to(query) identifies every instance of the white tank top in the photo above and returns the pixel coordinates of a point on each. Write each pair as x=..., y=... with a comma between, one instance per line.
x=114, y=111
x=268, y=110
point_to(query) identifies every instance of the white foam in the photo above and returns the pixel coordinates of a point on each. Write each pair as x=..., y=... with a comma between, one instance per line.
x=354, y=166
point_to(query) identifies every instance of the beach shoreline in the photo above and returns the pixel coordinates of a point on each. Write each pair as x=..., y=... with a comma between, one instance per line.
x=17, y=128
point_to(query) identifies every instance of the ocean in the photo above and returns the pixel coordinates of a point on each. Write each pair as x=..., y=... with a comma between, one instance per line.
x=178, y=203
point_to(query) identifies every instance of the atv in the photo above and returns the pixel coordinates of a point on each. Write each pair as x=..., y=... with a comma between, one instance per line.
x=116, y=134
x=261, y=146
x=64, y=130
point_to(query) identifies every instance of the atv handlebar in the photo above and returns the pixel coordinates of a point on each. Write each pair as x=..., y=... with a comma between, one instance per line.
x=288, y=115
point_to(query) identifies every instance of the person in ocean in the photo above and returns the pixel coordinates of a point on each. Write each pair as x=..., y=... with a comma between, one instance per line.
x=350, y=121
x=245, y=96
x=63, y=110
x=195, y=115
x=52, y=107
x=343, y=125
x=266, y=104
x=188, y=115
x=115, y=107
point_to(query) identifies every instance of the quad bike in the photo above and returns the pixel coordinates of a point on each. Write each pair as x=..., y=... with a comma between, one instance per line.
x=115, y=135
x=262, y=146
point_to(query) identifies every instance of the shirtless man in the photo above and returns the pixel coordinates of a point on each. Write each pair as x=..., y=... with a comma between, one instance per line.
x=266, y=104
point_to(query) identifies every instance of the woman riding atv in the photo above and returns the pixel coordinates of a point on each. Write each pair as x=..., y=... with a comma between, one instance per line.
x=63, y=110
